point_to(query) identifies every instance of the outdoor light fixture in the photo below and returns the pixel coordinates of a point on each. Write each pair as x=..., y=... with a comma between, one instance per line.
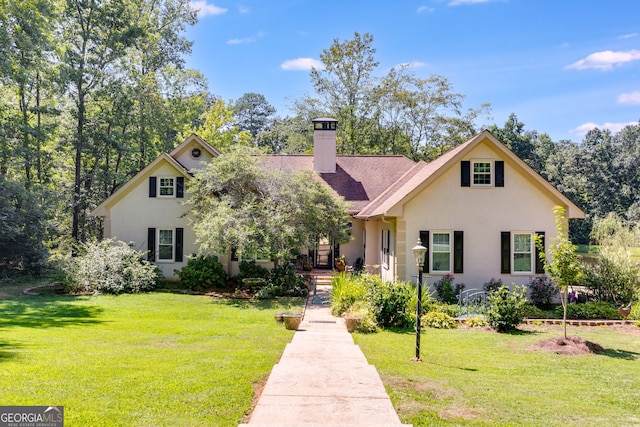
x=419, y=252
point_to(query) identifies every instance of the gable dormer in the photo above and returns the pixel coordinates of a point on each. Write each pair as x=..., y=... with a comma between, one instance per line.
x=194, y=152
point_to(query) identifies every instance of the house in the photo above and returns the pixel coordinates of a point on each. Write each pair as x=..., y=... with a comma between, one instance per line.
x=476, y=208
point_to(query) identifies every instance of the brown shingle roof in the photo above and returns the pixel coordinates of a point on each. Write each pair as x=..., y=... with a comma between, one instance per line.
x=359, y=179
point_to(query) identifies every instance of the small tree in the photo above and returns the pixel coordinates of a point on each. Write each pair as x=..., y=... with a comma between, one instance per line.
x=562, y=265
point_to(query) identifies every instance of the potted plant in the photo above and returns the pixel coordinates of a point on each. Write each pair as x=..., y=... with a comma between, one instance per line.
x=341, y=263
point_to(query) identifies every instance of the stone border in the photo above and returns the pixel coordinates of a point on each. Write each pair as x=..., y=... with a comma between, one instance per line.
x=575, y=322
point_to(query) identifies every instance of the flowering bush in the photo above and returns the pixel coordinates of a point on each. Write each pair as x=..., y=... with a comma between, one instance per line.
x=542, y=290
x=110, y=266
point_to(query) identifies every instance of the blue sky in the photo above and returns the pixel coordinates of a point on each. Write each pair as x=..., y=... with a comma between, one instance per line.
x=562, y=66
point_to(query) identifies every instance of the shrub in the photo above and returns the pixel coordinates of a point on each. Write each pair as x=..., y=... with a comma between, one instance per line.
x=389, y=302
x=612, y=278
x=590, y=311
x=492, y=285
x=345, y=292
x=251, y=269
x=505, y=309
x=434, y=319
x=452, y=310
x=202, y=272
x=635, y=312
x=542, y=290
x=476, y=321
x=284, y=277
x=445, y=290
x=110, y=266
x=368, y=323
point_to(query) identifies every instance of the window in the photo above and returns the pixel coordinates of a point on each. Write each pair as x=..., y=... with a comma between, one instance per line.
x=386, y=247
x=481, y=173
x=166, y=187
x=441, y=252
x=522, y=252
x=165, y=245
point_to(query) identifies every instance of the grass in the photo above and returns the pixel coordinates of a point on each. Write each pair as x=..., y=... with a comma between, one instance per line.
x=138, y=360
x=478, y=378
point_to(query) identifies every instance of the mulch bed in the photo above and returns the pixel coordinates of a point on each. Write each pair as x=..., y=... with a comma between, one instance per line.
x=571, y=346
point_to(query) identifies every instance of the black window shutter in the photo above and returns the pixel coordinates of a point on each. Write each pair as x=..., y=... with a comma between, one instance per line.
x=499, y=165
x=505, y=252
x=151, y=244
x=179, y=244
x=458, y=246
x=424, y=238
x=153, y=182
x=180, y=187
x=465, y=173
x=539, y=262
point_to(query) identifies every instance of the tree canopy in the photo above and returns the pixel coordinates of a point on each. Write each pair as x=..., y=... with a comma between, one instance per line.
x=238, y=205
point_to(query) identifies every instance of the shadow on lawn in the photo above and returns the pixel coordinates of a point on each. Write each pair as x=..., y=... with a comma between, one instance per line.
x=36, y=313
x=6, y=350
x=621, y=354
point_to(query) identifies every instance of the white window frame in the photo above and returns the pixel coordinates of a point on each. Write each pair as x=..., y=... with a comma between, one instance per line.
x=172, y=186
x=531, y=252
x=489, y=173
x=159, y=244
x=386, y=248
x=433, y=251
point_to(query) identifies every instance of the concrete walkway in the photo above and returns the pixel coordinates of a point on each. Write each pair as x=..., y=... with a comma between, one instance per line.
x=323, y=378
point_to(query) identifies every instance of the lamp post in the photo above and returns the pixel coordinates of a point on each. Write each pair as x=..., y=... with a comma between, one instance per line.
x=419, y=252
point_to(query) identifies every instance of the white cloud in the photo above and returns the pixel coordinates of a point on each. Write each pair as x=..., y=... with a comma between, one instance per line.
x=205, y=9
x=301, y=64
x=631, y=98
x=628, y=36
x=613, y=127
x=412, y=64
x=605, y=60
x=246, y=40
x=460, y=2
x=425, y=9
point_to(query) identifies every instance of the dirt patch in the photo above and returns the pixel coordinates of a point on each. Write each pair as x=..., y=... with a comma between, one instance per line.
x=571, y=346
x=258, y=388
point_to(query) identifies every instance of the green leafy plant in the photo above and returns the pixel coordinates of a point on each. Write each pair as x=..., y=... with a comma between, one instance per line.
x=476, y=321
x=505, y=309
x=434, y=319
x=446, y=291
x=202, y=272
x=345, y=292
x=591, y=310
x=389, y=302
x=492, y=285
x=251, y=269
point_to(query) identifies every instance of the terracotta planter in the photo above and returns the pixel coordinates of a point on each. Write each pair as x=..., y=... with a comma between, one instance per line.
x=340, y=267
x=291, y=321
x=352, y=322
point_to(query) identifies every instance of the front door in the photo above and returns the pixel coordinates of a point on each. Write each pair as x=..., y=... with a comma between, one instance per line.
x=324, y=254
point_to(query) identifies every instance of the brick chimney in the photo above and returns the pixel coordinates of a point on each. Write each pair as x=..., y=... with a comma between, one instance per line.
x=324, y=145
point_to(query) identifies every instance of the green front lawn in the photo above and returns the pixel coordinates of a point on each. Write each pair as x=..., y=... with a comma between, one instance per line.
x=480, y=378
x=138, y=360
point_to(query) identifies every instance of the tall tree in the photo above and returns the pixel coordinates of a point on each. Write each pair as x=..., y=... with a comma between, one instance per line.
x=253, y=113
x=345, y=87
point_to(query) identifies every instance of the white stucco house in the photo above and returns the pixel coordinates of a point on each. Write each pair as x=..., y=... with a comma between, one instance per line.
x=476, y=209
